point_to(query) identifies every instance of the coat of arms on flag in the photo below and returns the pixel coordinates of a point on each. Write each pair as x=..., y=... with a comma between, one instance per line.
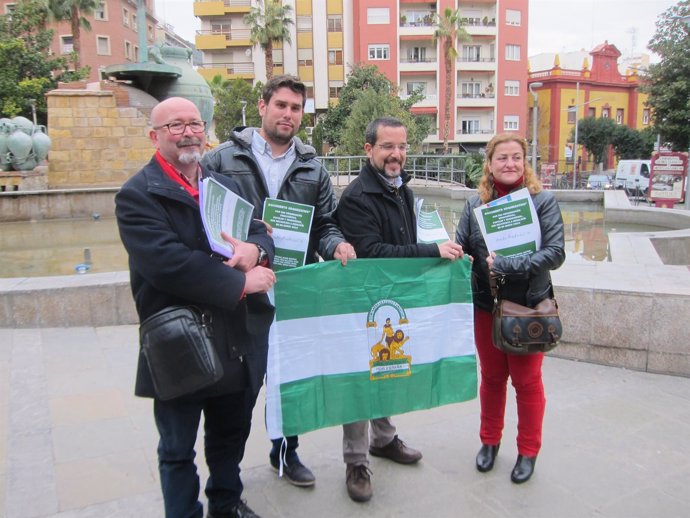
x=377, y=337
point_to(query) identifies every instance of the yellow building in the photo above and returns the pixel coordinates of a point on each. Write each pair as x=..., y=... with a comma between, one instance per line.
x=565, y=96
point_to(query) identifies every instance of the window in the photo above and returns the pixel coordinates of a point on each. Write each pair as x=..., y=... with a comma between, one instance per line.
x=136, y=53
x=470, y=126
x=379, y=52
x=103, y=45
x=335, y=57
x=277, y=57
x=304, y=23
x=66, y=44
x=135, y=26
x=150, y=32
x=416, y=54
x=416, y=86
x=572, y=113
x=645, y=116
x=128, y=50
x=513, y=52
x=471, y=89
x=221, y=27
x=335, y=23
x=620, y=115
x=9, y=8
x=592, y=112
x=511, y=123
x=471, y=53
x=334, y=90
x=513, y=17
x=305, y=57
x=378, y=16
x=101, y=12
x=125, y=17
x=310, y=91
x=512, y=88
x=606, y=113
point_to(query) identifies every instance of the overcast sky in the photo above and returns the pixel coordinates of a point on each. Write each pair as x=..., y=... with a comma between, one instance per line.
x=554, y=25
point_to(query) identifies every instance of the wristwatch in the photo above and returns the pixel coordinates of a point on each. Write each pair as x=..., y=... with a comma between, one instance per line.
x=263, y=255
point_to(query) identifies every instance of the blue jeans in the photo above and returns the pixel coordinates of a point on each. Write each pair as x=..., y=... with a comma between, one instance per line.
x=227, y=421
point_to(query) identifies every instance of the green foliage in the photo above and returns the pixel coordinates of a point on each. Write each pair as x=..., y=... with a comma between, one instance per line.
x=28, y=71
x=366, y=83
x=629, y=143
x=474, y=169
x=667, y=81
x=228, y=109
x=595, y=135
x=268, y=26
x=317, y=139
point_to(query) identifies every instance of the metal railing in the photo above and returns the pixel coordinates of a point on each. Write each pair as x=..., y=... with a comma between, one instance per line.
x=430, y=169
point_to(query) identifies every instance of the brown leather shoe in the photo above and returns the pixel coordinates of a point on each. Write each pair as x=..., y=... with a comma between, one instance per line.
x=397, y=451
x=358, y=481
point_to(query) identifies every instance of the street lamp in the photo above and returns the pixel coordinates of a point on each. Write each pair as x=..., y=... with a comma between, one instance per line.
x=535, y=108
x=244, y=112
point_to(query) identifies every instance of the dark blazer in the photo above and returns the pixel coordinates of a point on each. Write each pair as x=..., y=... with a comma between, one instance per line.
x=528, y=280
x=379, y=220
x=170, y=263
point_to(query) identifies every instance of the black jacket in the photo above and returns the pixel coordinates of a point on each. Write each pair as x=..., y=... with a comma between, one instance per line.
x=379, y=220
x=528, y=280
x=307, y=182
x=170, y=264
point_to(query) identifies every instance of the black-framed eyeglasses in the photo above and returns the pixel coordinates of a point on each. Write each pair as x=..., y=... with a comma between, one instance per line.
x=178, y=128
x=388, y=147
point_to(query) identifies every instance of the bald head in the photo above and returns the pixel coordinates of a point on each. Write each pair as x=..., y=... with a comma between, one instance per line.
x=178, y=133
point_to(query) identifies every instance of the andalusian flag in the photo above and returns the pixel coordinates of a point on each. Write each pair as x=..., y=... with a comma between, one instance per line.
x=375, y=338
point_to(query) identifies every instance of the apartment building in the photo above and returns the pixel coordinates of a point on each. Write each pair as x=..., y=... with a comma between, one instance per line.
x=113, y=38
x=489, y=84
x=576, y=85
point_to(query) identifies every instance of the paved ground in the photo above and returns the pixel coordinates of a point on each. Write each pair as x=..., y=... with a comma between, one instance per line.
x=75, y=443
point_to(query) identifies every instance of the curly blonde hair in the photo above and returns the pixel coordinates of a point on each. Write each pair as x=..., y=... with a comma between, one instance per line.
x=486, y=189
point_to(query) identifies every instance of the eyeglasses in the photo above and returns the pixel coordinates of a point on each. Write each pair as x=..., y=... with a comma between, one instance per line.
x=390, y=147
x=178, y=128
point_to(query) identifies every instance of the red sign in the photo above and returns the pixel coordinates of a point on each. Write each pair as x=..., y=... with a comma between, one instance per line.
x=667, y=178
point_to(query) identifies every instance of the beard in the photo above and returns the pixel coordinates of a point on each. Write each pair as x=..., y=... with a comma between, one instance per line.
x=279, y=138
x=189, y=157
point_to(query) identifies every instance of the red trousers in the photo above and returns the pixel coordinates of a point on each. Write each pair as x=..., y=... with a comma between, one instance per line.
x=525, y=375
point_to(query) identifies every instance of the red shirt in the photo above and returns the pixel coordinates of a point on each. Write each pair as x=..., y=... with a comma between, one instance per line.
x=178, y=177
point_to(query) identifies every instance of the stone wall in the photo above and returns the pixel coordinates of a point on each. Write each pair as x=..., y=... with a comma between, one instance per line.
x=96, y=140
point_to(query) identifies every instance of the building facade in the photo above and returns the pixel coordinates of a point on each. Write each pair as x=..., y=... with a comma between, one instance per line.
x=489, y=75
x=113, y=38
x=569, y=93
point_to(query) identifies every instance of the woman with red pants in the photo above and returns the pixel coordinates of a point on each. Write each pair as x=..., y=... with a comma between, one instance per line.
x=527, y=282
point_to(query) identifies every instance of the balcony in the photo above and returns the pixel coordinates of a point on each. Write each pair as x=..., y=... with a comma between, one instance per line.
x=483, y=100
x=215, y=40
x=475, y=135
x=430, y=100
x=408, y=64
x=476, y=64
x=479, y=27
x=227, y=70
x=220, y=7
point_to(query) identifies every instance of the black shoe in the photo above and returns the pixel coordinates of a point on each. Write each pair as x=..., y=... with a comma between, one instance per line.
x=397, y=451
x=239, y=510
x=524, y=467
x=486, y=457
x=295, y=472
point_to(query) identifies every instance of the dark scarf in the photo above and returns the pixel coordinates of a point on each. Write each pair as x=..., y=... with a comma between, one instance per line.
x=502, y=189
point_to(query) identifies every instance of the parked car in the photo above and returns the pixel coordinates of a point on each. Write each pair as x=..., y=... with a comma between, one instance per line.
x=599, y=182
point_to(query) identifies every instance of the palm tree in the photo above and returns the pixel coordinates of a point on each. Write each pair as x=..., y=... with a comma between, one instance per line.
x=76, y=12
x=448, y=29
x=269, y=25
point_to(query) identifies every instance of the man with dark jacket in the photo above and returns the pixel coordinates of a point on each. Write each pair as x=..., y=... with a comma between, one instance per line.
x=376, y=214
x=271, y=162
x=171, y=264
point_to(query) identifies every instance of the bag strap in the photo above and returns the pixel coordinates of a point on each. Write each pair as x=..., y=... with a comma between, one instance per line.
x=495, y=282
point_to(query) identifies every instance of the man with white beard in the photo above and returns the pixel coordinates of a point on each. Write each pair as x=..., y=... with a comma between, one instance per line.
x=171, y=264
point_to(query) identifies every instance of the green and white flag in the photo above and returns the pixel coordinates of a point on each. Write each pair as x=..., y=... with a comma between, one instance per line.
x=375, y=338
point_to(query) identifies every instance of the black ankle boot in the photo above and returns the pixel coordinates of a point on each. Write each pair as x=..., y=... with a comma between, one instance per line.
x=524, y=467
x=486, y=457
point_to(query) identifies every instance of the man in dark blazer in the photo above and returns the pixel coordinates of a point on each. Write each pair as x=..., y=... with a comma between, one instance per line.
x=171, y=263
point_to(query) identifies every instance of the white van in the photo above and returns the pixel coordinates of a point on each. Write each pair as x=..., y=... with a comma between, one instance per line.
x=633, y=173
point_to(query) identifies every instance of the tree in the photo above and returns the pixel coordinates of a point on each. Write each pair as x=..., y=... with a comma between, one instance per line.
x=74, y=11
x=28, y=70
x=228, y=109
x=269, y=25
x=629, y=143
x=370, y=105
x=448, y=30
x=667, y=81
x=365, y=78
x=596, y=136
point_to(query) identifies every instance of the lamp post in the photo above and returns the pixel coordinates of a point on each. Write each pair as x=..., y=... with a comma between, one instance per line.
x=535, y=118
x=686, y=21
x=244, y=112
